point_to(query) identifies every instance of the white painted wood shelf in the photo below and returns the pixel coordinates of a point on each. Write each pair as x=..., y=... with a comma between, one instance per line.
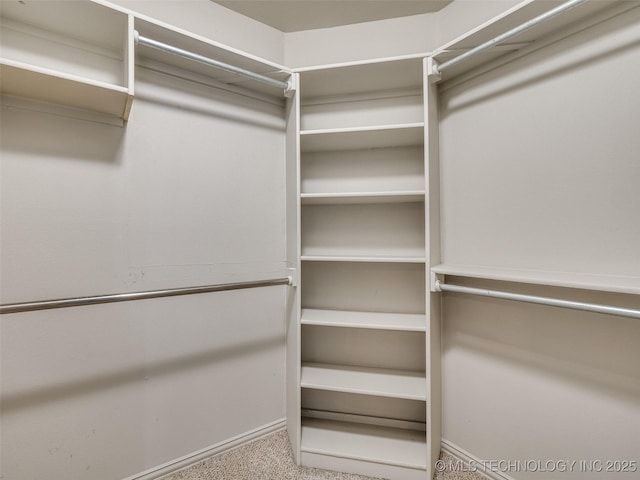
x=353, y=138
x=365, y=381
x=369, y=320
x=377, y=444
x=362, y=258
x=23, y=80
x=339, y=198
x=605, y=283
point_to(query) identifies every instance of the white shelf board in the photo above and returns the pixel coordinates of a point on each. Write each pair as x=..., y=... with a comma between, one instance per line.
x=363, y=259
x=194, y=43
x=518, y=15
x=371, y=320
x=23, y=80
x=380, y=382
x=379, y=136
x=391, y=446
x=363, y=197
x=606, y=283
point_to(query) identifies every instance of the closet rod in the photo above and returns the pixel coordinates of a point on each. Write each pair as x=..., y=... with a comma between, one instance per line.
x=148, y=42
x=127, y=297
x=511, y=33
x=589, y=307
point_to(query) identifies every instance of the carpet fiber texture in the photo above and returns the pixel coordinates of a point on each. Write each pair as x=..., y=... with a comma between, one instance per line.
x=271, y=458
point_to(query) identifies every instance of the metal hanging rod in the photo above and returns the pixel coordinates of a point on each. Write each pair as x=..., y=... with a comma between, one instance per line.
x=555, y=302
x=509, y=34
x=148, y=42
x=127, y=297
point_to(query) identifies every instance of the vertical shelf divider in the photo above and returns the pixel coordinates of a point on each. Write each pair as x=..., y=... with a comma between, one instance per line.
x=432, y=238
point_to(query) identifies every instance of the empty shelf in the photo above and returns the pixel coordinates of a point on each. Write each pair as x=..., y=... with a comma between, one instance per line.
x=383, y=136
x=373, y=320
x=392, y=446
x=365, y=381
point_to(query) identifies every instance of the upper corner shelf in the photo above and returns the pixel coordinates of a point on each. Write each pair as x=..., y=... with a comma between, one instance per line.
x=575, y=17
x=74, y=54
x=403, y=73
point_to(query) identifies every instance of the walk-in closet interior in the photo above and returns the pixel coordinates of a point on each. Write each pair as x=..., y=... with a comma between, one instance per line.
x=392, y=235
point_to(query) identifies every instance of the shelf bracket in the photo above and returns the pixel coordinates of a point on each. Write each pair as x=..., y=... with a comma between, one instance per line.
x=293, y=276
x=433, y=74
x=434, y=282
x=293, y=85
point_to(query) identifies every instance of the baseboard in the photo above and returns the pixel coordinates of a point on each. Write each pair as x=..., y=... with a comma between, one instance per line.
x=199, y=455
x=471, y=460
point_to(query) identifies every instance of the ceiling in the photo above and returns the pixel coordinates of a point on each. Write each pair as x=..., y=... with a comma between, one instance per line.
x=297, y=15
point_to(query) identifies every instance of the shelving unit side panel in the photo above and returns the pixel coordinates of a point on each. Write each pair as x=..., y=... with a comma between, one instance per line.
x=293, y=229
x=433, y=337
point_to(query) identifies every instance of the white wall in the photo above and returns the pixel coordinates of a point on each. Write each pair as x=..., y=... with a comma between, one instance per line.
x=190, y=192
x=539, y=165
x=387, y=38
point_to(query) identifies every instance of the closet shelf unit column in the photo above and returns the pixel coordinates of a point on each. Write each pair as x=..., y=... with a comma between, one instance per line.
x=364, y=384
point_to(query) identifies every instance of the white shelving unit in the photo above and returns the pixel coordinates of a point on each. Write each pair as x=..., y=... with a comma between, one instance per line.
x=364, y=381
x=75, y=54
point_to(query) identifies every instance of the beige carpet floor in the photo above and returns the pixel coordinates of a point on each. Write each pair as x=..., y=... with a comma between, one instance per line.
x=270, y=458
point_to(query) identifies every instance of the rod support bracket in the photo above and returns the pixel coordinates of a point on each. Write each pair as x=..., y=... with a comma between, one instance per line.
x=433, y=74
x=293, y=277
x=293, y=84
x=436, y=279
